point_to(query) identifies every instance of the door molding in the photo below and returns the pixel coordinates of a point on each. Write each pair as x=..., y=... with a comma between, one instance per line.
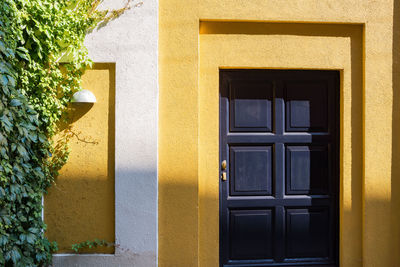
x=221, y=50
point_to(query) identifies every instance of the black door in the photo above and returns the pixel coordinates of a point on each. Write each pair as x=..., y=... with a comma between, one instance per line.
x=279, y=144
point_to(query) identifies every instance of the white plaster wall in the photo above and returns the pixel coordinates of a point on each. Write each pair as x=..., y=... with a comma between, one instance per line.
x=131, y=41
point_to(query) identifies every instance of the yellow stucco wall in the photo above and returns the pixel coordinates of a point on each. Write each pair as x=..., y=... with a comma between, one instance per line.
x=80, y=206
x=275, y=46
x=354, y=36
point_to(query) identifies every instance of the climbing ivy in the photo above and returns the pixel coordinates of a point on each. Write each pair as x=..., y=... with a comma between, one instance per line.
x=35, y=89
x=91, y=244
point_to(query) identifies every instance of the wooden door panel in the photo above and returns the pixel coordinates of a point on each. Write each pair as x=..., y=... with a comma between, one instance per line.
x=251, y=242
x=251, y=106
x=307, y=232
x=306, y=106
x=250, y=170
x=279, y=137
x=307, y=170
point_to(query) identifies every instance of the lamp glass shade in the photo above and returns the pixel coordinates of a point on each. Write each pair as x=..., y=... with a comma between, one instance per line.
x=84, y=96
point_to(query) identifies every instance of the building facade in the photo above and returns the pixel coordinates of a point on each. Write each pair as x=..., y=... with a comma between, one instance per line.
x=302, y=93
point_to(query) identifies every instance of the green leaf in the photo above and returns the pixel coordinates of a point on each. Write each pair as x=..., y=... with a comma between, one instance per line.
x=10, y=52
x=4, y=80
x=6, y=122
x=24, y=56
x=34, y=230
x=32, y=136
x=40, y=256
x=22, y=237
x=15, y=255
x=6, y=220
x=42, y=137
x=3, y=140
x=3, y=153
x=23, y=49
x=5, y=67
x=23, y=53
x=2, y=194
x=3, y=240
x=30, y=238
x=15, y=103
x=11, y=80
x=2, y=47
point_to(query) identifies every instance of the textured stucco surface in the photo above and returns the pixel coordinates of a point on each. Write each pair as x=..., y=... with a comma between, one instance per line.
x=367, y=157
x=125, y=260
x=281, y=46
x=130, y=42
x=80, y=206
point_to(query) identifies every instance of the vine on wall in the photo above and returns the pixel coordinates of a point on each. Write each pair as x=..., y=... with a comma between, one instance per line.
x=35, y=90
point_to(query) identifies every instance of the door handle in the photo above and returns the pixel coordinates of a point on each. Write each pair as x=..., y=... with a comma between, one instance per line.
x=223, y=167
x=223, y=176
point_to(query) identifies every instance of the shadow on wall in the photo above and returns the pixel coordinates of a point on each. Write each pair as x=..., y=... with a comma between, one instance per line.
x=177, y=200
x=395, y=198
x=352, y=208
x=356, y=142
x=79, y=209
x=80, y=205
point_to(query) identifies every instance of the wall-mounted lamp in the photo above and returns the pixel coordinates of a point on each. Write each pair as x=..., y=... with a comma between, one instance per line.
x=84, y=96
